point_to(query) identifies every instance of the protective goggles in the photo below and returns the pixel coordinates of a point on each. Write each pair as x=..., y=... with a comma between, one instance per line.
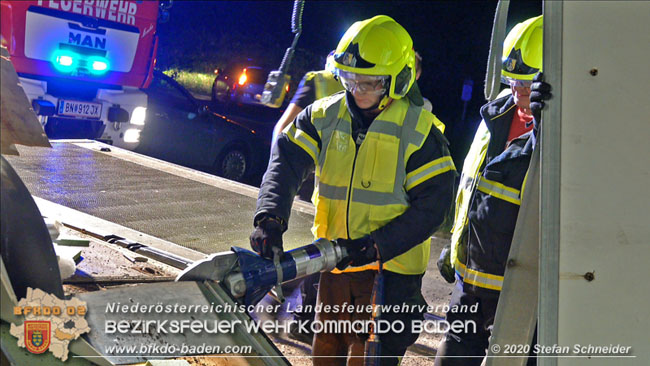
x=520, y=83
x=365, y=84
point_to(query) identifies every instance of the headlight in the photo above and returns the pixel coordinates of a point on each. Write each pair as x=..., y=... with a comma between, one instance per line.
x=138, y=116
x=132, y=135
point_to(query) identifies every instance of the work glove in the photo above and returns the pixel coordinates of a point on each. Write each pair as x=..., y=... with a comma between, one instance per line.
x=361, y=251
x=444, y=265
x=267, y=235
x=540, y=92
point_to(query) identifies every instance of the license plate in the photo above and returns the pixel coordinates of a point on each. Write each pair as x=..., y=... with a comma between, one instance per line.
x=75, y=108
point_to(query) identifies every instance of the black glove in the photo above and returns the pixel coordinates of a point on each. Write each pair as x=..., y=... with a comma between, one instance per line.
x=361, y=251
x=267, y=234
x=444, y=265
x=540, y=92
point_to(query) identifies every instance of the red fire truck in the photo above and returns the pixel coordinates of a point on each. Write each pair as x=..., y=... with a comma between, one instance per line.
x=82, y=63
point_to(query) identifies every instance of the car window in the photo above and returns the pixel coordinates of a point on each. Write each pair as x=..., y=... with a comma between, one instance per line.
x=166, y=92
x=256, y=76
x=162, y=86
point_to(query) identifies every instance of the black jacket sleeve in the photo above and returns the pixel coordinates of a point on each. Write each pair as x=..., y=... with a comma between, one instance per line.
x=288, y=167
x=429, y=203
x=306, y=93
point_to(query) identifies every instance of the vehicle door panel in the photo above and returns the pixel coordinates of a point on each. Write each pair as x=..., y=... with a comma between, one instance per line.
x=176, y=131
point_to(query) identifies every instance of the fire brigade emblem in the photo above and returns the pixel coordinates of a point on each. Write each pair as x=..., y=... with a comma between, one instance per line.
x=37, y=336
x=511, y=64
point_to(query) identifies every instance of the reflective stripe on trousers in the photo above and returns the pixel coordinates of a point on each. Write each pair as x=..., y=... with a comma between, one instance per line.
x=478, y=278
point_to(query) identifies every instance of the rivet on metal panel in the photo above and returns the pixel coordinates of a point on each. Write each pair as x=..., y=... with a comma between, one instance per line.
x=512, y=262
x=593, y=71
x=589, y=276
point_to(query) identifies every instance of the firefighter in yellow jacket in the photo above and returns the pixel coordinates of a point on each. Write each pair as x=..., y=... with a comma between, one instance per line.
x=313, y=86
x=488, y=199
x=385, y=183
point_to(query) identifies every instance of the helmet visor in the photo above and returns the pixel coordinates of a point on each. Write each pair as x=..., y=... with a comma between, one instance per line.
x=364, y=84
x=519, y=83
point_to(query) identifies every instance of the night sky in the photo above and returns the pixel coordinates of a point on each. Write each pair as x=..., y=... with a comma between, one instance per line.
x=452, y=37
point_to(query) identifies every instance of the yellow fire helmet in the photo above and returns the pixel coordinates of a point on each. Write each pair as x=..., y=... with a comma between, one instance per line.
x=380, y=47
x=522, y=51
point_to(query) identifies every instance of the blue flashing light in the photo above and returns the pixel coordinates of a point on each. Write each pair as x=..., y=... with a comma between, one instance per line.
x=98, y=65
x=65, y=61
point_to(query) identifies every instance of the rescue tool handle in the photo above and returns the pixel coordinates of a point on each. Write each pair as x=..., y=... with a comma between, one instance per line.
x=372, y=349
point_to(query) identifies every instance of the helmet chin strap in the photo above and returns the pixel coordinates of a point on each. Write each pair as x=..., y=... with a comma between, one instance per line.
x=383, y=102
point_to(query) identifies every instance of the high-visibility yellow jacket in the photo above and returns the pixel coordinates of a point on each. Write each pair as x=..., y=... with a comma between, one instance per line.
x=362, y=188
x=315, y=85
x=324, y=83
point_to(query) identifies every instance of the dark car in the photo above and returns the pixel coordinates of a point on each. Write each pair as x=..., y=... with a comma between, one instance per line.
x=249, y=85
x=196, y=133
x=239, y=83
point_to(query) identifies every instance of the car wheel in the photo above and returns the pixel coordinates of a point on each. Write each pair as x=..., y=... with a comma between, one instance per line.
x=233, y=164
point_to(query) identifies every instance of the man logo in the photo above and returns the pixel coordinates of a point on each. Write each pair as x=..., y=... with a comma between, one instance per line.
x=37, y=336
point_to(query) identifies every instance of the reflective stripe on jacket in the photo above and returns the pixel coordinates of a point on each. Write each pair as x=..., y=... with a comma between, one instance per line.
x=360, y=191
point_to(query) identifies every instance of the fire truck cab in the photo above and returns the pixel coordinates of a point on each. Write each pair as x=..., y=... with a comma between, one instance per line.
x=82, y=64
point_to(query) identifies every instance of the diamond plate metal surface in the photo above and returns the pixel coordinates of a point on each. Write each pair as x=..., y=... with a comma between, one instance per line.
x=183, y=211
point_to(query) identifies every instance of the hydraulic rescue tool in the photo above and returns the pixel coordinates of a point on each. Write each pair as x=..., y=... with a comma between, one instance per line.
x=248, y=276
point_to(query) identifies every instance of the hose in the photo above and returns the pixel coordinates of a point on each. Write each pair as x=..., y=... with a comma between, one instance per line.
x=296, y=17
x=296, y=28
